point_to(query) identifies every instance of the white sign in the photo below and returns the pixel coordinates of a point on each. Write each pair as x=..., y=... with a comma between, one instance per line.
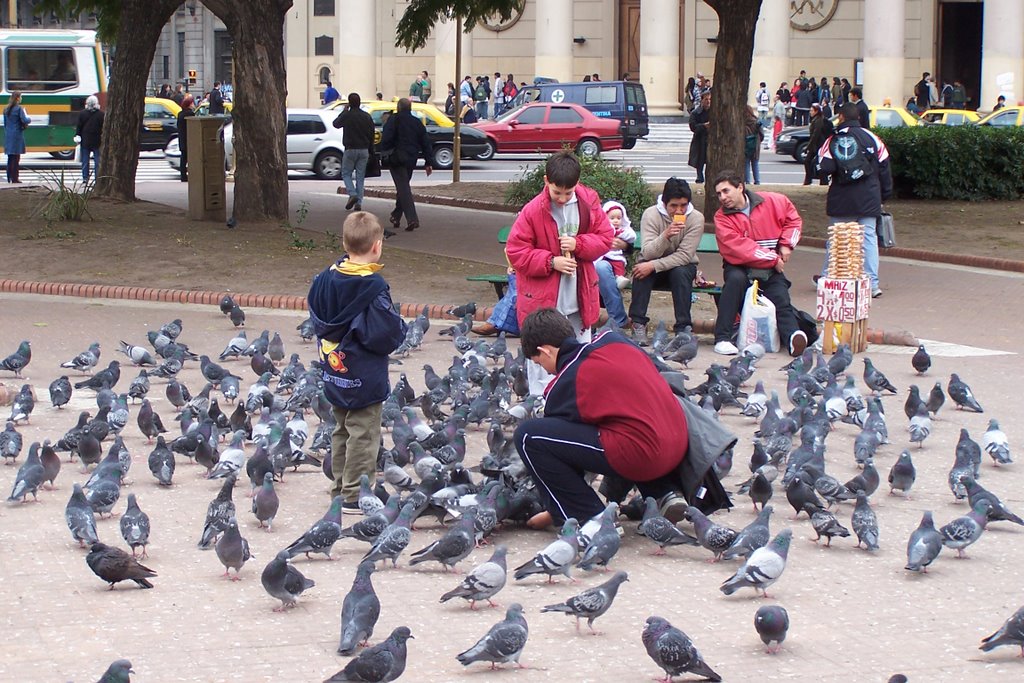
x=843, y=300
x=557, y=96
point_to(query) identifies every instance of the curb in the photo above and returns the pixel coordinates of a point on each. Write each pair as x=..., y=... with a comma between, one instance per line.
x=297, y=303
x=988, y=262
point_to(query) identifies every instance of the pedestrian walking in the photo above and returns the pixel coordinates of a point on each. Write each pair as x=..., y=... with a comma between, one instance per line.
x=358, y=141
x=88, y=133
x=700, y=120
x=404, y=140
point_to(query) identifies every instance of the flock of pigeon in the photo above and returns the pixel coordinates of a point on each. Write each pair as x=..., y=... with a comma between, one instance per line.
x=424, y=473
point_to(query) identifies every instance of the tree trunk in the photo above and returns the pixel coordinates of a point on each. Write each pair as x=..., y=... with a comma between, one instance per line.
x=737, y=21
x=258, y=114
x=141, y=23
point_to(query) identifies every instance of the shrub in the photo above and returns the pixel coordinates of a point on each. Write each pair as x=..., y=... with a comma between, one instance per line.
x=65, y=202
x=971, y=163
x=611, y=181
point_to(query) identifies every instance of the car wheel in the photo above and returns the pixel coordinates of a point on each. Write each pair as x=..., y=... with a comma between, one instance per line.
x=800, y=154
x=629, y=143
x=588, y=147
x=328, y=165
x=169, y=140
x=64, y=154
x=444, y=157
x=488, y=153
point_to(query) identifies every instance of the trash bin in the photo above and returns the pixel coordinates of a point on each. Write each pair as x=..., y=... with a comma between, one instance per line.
x=206, y=187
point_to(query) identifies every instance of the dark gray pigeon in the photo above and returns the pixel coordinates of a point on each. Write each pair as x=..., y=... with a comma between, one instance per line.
x=149, y=422
x=503, y=643
x=380, y=663
x=30, y=476
x=161, y=462
x=483, y=582
x=10, y=443
x=118, y=672
x=772, y=623
x=714, y=537
x=753, y=536
x=237, y=316
x=23, y=405
x=966, y=530
x=232, y=549
x=60, y=391
x=865, y=523
x=453, y=547
x=998, y=512
x=86, y=360
x=51, y=463
x=605, y=542
x=275, y=349
x=114, y=565
x=321, y=537
x=211, y=371
x=924, y=545
x=17, y=361
x=80, y=518
x=591, y=603
x=825, y=524
x=673, y=651
x=368, y=529
x=763, y=567
x=394, y=539
x=284, y=582
x=265, y=502
x=135, y=526
x=105, y=492
x=226, y=302
x=235, y=346
x=902, y=474
x=867, y=481
x=219, y=513
x=359, y=611
x=660, y=530
x=921, y=360
x=557, y=558
x=962, y=394
x=875, y=380
x=1010, y=633
x=800, y=494
x=936, y=397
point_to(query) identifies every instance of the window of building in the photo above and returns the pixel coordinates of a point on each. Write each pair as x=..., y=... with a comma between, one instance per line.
x=40, y=69
x=221, y=57
x=564, y=115
x=181, y=55
x=323, y=46
x=323, y=8
x=305, y=124
x=166, y=67
x=532, y=115
x=604, y=94
x=325, y=75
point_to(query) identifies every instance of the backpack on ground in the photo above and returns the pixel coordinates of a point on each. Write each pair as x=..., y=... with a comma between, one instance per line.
x=852, y=160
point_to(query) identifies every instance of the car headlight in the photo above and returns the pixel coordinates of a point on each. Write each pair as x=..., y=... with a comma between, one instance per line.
x=784, y=138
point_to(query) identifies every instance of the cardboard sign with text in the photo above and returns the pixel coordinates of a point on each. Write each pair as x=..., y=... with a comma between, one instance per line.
x=841, y=300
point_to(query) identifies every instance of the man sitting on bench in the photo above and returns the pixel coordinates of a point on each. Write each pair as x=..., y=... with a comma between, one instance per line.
x=667, y=257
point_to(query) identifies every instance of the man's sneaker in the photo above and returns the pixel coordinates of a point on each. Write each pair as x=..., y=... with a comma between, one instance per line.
x=726, y=348
x=621, y=281
x=640, y=334
x=351, y=508
x=797, y=343
x=673, y=507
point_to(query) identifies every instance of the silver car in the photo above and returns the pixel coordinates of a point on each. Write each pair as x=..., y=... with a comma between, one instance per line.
x=313, y=144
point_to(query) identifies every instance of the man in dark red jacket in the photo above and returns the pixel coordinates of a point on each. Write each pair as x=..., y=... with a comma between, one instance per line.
x=607, y=411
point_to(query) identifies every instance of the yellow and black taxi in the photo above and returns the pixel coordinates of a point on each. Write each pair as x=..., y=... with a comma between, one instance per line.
x=159, y=124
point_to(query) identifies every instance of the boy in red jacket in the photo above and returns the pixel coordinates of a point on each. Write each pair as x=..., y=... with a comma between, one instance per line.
x=553, y=245
x=607, y=411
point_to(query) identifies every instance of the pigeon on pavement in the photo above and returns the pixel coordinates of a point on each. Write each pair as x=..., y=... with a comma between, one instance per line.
x=394, y=539
x=1010, y=633
x=85, y=361
x=660, y=530
x=137, y=354
x=962, y=395
x=875, y=380
x=714, y=537
x=118, y=672
x=30, y=476
x=483, y=582
x=936, y=397
x=924, y=545
x=114, y=565
x=359, y=611
x=557, y=558
x=763, y=567
x=921, y=360
x=825, y=524
x=865, y=523
x=673, y=651
x=17, y=361
x=591, y=603
x=80, y=518
x=902, y=474
x=453, y=547
x=503, y=643
x=321, y=537
x=966, y=530
x=60, y=391
x=753, y=536
x=772, y=623
x=232, y=549
x=135, y=526
x=161, y=462
x=283, y=581
x=995, y=443
x=219, y=513
x=10, y=443
x=997, y=512
x=605, y=542
x=237, y=316
x=380, y=663
x=23, y=405
x=265, y=502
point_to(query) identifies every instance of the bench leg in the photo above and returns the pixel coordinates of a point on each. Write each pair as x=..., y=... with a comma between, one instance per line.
x=499, y=289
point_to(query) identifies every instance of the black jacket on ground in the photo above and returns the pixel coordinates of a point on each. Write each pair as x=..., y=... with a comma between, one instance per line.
x=864, y=197
x=358, y=127
x=405, y=133
x=90, y=127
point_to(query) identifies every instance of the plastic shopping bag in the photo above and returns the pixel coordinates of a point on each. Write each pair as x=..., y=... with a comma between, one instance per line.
x=757, y=321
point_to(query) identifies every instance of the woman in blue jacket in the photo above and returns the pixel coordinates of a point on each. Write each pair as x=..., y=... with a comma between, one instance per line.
x=15, y=123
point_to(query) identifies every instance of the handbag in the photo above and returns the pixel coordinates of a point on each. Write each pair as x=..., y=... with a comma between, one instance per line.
x=392, y=158
x=886, y=230
x=757, y=321
x=372, y=166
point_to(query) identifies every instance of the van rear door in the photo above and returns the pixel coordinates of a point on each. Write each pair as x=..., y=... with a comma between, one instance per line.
x=636, y=122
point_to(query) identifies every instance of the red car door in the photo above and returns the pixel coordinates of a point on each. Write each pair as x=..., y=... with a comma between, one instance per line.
x=527, y=133
x=565, y=127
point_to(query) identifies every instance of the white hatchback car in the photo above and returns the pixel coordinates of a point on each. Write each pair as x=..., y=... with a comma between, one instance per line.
x=314, y=144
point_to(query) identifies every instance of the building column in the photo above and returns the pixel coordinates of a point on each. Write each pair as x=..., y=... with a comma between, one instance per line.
x=444, y=61
x=659, y=55
x=553, y=42
x=1002, y=52
x=771, y=46
x=357, y=43
x=884, y=23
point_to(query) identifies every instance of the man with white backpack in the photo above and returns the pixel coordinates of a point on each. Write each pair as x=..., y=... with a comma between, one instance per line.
x=764, y=100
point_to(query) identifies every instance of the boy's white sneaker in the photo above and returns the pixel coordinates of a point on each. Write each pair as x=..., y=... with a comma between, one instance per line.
x=726, y=348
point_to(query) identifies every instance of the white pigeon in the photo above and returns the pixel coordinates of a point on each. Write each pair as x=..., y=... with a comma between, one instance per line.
x=763, y=567
x=995, y=443
x=557, y=558
x=756, y=402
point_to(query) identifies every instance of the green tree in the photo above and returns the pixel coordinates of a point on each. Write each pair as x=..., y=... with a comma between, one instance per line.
x=418, y=21
x=737, y=22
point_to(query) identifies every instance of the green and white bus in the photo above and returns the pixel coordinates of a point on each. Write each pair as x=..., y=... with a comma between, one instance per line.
x=55, y=71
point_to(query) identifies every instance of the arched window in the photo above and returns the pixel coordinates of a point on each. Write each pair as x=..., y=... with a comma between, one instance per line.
x=325, y=75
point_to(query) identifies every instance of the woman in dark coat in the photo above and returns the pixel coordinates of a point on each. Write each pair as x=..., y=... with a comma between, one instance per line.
x=699, y=121
x=15, y=123
x=820, y=130
x=183, y=115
